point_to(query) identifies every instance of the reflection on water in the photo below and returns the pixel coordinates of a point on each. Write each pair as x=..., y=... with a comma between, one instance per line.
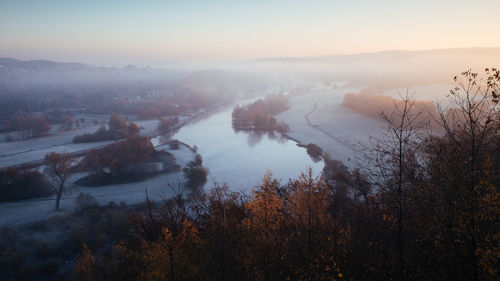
x=240, y=158
x=255, y=136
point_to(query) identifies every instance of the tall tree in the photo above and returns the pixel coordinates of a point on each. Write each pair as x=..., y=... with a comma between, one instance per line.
x=59, y=166
x=315, y=235
x=265, y=222
x=396, y=165
x=469, y=121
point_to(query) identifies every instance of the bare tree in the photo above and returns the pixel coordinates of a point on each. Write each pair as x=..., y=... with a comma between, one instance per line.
x=394, y=163
x=403, y=125
x=59, y=166
x=469, y=122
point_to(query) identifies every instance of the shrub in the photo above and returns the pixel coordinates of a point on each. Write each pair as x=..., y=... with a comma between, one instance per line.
x=22, y=184
x=195, y=174
x=118, y=129
x=314, y=151
x=84, y=201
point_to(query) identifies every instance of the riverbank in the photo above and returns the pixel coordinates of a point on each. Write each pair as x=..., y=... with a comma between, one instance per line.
x=319, y=117
x=33, y=151
x=241, y=158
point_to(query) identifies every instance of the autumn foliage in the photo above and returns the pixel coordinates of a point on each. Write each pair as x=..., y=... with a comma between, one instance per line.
x=280, y=232
x=373, y=105
x=259, y=114
x=427, y=210
x=29, y=125
x=117, y=129
x=120, y=157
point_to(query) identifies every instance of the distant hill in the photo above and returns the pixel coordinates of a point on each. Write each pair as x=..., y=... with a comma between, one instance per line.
x=390, y=69
x=392, y=55
x=33, y=75
x=8, y=62
x=40, y=85
x=41, y=65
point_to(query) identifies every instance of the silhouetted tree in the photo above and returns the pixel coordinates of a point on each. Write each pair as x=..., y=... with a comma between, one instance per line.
x=460, y=163
x=195, y=174
x=398, y=158
x=60, y=166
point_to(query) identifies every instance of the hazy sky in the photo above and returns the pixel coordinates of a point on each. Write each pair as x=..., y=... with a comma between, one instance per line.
x=150, y=31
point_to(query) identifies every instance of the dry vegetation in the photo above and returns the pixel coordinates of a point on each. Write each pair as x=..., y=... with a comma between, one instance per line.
x=417, y=204
x=374, y=105
x=423, y=207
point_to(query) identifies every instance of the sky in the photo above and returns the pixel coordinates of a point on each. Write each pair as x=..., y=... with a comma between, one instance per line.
x=163, y=31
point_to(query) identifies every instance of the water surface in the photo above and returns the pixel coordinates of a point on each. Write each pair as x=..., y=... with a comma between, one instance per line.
x=240, y=159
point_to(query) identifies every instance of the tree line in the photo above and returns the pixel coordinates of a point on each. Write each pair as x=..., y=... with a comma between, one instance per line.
x=259, y=114
x=423, y=206
x=30, y=125
x=117, y=129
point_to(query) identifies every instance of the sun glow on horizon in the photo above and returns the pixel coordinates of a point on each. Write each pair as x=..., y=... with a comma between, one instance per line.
x=170, y=31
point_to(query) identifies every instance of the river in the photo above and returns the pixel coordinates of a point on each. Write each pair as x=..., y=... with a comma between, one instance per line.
x=241, y=159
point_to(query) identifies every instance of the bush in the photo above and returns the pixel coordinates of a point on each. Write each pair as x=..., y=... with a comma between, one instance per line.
x=195, y=173
x=24, y=184
x=84, y=201
x=131, y=160
x=120, y=156
x=314, y=151
x=118, y=129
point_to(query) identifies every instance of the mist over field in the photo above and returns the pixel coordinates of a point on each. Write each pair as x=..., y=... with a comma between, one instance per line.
x=263, y=140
